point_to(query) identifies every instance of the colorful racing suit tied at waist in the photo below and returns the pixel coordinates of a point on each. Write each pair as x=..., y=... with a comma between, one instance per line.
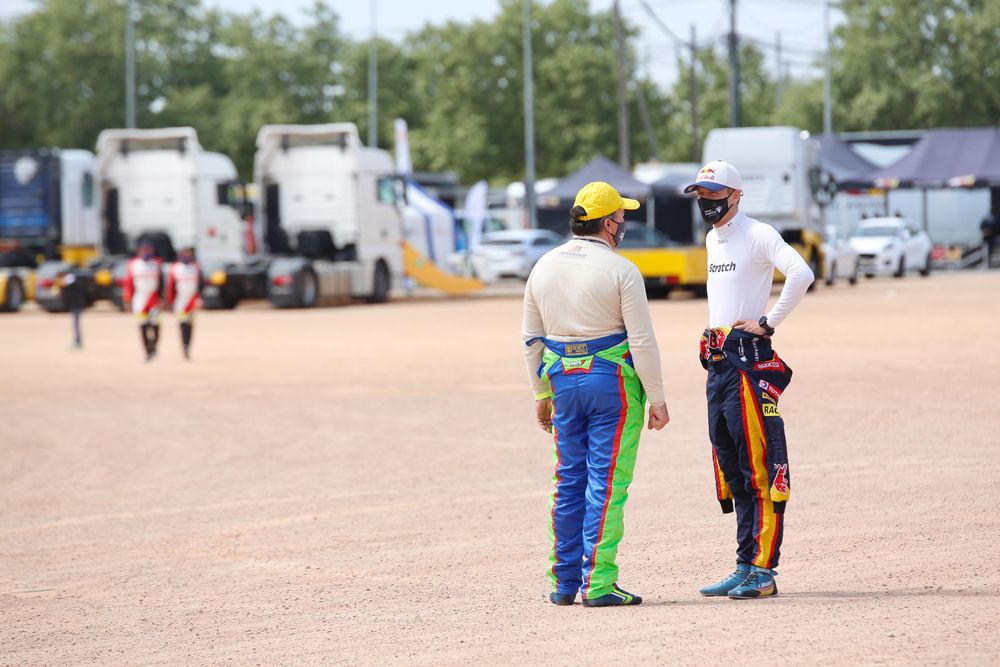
x=605, y=355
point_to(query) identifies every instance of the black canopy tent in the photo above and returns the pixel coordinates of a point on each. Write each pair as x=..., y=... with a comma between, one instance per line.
x=942, y=158
x=842, y=163
x=968, y=157
x=554, y=205
x=674, y=211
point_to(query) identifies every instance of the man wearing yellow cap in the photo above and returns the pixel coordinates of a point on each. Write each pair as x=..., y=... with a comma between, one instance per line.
x=597, y=365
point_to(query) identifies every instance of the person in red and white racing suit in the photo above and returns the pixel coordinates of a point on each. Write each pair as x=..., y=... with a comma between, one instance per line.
x=184, y=293
x=141, y=294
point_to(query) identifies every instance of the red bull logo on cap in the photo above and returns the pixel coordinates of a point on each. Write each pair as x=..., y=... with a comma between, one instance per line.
x=706, y=173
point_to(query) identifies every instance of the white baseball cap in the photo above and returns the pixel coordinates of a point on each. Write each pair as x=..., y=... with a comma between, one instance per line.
x=717, y=175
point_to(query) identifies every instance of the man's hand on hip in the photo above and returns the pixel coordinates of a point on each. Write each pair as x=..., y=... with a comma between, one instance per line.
x=750, y=327
x=658, y=416
x=543, y=412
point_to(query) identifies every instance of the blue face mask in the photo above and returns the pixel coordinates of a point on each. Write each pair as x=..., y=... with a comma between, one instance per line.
x=186, y=259
x=147, y=256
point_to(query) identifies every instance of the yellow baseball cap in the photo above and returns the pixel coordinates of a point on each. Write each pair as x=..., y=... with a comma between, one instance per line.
x=599, y=199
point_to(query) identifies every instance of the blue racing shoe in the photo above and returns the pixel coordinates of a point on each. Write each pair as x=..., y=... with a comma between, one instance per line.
x=562, y=599
x=758, y=584
x=616, y=598
x=729, y=583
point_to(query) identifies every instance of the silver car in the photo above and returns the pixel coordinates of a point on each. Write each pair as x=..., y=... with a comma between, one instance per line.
x=514, y=252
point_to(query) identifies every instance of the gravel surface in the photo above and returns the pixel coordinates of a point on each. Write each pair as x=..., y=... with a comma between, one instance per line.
x=366, y=484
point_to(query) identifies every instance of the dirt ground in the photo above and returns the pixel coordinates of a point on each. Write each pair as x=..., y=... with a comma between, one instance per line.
x=366, y=484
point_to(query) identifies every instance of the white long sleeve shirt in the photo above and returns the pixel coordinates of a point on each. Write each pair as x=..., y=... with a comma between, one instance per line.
x=583, y=290
x=742, y=257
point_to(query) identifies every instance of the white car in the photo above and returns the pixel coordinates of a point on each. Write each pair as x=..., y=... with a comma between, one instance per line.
x=892, y=246
x=514, y=252
x=841, y=259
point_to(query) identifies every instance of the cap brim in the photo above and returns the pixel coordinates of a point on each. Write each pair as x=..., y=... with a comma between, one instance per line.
x=708, y=185
x=629, y=204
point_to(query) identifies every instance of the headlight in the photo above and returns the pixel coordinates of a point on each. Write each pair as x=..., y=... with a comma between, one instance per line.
x=889, y=246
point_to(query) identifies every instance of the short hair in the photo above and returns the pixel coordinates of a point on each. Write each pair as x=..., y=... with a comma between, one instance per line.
x=582, y=227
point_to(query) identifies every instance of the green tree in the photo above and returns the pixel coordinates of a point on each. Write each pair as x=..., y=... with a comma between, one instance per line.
x=917, y=63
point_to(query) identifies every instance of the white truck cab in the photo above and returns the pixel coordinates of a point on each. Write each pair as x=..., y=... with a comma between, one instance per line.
x=161, y=186
x=328, y=208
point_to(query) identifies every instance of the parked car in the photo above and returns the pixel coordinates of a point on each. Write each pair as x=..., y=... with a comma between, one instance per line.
x=514, y=252
x=840, y=257
x=892, y=246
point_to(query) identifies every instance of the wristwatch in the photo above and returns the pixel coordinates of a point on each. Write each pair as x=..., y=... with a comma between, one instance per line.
x=768, y=329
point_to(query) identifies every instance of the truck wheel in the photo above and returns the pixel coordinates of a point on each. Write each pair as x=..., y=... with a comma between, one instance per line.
x=15, y=295
x=223, y=301
x=926, y=271
x=854, y=276
x=832, y=275
x=380, y=284
x=308, y=288
x=700, y=291
x=901, y=269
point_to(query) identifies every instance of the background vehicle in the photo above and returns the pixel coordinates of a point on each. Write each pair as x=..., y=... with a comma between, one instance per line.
x=841, y=259
x=892, y=246
x=158, y=186
x=329, y=216
x=656, y=257
x=514, y=252
x=47, y=214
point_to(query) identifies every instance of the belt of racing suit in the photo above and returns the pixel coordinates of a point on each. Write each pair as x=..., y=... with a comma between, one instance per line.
x=598, y=355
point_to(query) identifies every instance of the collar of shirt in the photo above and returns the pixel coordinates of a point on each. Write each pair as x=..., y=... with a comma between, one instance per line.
x=728, y=229
x=592, y=239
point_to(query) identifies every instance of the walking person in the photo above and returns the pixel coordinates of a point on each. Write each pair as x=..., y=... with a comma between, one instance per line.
x=183, y=293
x=141, y=294
x=74, y=295
x=593, y=361
x=745, y=376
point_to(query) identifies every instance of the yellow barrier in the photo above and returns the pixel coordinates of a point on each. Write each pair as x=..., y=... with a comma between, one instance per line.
x=429, y=274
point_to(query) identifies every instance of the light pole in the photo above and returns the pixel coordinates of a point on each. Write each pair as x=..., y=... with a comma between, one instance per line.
x=129, y=67
x=529, y=119
x=373, y=83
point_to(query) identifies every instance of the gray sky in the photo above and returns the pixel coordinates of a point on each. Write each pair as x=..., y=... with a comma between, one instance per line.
x=800, y=23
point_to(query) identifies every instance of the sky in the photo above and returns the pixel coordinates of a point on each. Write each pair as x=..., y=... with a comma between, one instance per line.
x=799, y=22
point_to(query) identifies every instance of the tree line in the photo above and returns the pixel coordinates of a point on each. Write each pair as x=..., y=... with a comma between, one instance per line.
x=897, y=64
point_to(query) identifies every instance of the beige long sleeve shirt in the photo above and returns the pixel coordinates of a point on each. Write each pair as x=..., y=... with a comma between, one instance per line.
x=584, y=290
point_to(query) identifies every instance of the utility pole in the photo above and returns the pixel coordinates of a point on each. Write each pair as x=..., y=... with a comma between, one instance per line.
x=827, y=93
x=624, y=159
x=373, y=82
x=779, y=81
x=647, y=123
x=129, y=66
x=695, y=130
x=734, y=69
x=529, y=118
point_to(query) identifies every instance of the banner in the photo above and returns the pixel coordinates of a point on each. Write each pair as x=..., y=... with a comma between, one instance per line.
x=403, y=164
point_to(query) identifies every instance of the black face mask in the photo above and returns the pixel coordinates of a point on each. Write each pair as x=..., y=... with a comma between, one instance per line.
x=713, y=210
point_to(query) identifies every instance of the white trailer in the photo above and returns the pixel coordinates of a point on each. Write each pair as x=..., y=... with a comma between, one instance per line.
x=328, y=215
x=782, y=182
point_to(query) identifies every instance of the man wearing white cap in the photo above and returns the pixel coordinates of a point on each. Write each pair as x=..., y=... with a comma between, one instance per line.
x=596, y=366
x=745, y=376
